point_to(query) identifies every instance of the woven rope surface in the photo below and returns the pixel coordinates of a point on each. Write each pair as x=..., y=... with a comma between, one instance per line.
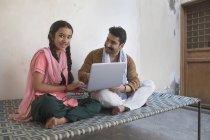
x=158, y=102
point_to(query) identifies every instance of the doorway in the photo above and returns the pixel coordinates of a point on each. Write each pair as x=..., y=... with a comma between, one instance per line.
x=195, y=51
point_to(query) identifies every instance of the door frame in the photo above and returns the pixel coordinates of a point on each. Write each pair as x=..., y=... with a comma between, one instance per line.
x=183, y=44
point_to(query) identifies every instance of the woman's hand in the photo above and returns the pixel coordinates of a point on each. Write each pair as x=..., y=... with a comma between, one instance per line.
x=118, y=89
x=76, y=86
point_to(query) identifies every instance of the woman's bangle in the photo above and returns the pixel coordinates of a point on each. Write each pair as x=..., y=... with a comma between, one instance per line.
x=65, y=90
x=124, y=88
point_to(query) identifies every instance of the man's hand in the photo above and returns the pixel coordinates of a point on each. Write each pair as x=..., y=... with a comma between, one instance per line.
x=118, y=89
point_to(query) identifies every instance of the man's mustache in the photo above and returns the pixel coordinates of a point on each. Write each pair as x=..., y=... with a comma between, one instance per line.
x=112, y=49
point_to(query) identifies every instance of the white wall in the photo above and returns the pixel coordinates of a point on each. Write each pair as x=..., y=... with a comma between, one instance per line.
x=25, y=24
x=160, y=41
x=150, y=26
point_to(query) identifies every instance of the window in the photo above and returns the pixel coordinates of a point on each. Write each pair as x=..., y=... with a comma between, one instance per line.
x=198, y=25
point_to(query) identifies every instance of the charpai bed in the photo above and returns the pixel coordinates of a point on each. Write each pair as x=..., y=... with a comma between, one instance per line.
x=158, y=102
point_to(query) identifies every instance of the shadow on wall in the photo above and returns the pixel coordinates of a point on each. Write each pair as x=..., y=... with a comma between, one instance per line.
x=14, y=76
x=172, y=5
x=174, y=86
x=11, y=83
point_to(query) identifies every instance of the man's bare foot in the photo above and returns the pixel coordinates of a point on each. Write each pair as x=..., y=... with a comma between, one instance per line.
x=52, y=122
x=119, y=109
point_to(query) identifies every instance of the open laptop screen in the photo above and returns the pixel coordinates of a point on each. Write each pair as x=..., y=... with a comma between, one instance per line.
x=106, y=75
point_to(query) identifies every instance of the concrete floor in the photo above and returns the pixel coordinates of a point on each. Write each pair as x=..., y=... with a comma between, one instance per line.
x=179, y=124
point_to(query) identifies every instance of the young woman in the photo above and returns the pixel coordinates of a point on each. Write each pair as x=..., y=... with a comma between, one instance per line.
x=49, y=79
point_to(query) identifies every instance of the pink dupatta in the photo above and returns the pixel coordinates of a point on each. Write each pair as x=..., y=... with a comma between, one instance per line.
x=54, y=77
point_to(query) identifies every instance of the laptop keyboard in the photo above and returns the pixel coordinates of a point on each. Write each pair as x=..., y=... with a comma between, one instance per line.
x=77, y=95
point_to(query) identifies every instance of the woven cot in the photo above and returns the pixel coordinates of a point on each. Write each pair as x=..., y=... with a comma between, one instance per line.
x=158, y=102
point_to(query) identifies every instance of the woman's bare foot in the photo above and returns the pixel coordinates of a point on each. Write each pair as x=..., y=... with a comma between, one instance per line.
x=119, y=109
x=52, y=122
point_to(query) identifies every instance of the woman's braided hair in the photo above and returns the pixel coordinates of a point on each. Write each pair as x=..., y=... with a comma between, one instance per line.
x=53, y=29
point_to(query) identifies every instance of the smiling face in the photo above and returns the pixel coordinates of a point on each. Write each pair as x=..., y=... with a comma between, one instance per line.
x=62, y=38
x=112, y=45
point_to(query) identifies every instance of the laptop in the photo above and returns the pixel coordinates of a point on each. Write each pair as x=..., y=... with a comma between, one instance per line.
x=105, y=75
x=102, y=76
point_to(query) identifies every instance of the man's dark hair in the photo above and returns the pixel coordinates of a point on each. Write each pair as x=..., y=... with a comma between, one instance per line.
x=118, y=32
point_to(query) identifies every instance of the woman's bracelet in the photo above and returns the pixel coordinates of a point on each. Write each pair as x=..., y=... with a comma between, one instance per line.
x=65, y=90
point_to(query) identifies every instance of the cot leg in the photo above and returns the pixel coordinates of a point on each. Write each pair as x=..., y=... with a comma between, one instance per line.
x=199, y=120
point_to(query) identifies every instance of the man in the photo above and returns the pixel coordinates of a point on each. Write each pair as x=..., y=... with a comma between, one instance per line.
x=131, y=94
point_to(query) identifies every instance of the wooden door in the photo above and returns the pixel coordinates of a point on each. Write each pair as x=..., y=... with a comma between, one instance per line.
x=195, y=51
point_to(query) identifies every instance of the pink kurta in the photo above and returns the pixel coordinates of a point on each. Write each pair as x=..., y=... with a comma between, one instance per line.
x=44, y=63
